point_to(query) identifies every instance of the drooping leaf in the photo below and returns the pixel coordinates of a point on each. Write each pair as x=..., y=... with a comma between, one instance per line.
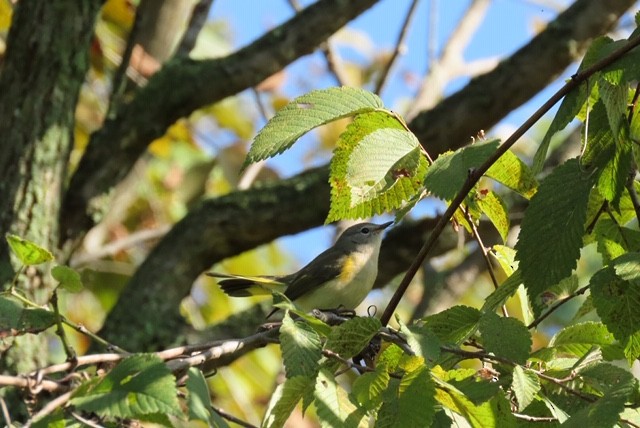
x=495, y=209
x=140, y=386
x=450, y=171
x=572, y=103
x=284, y=400
x=502, y=293
x=506, y=337
x=553, y=241
x=616, y=295
x=453, y=325
x=377, y=166
x=301, y=348
x=29, y=253
x=525, y=385
x=512, y=172
x=16, y=320
x=416, y=399
x=199, y=400
x=422, y=341
x=306, y=113
x=334, y=407
x=467, y=381
x=68, y=278
x=613, y=93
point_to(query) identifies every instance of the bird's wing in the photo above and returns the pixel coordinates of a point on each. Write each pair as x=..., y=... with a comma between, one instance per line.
x=320, y=270
x=244, y=286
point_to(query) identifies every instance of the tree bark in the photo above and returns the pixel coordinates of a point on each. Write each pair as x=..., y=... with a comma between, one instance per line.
x=43, y=71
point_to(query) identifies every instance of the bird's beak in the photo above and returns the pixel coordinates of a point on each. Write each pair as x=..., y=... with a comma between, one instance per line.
x=383, y=226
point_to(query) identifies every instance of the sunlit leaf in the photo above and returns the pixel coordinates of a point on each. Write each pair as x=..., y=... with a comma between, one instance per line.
x=29, y=253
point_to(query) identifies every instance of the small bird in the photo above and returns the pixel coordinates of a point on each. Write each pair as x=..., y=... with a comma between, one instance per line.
x=340, y=277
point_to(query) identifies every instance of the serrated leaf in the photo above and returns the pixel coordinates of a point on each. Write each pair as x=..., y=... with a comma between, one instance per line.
x=502, y=293
x=351, y=337
x=68, y=278
x=390, y=357
x=548, y=246
x=617, y=385
x=453, y=325
x=613, y=93
x=301, y=348
x=495, y=209
x=614, y=240
x=467, y=382
x=525, y=385
x=139, y=386
x=29, y=253
x=632, y=348
x=512, y=172
x=369, y=387
x=505, y=337
x=578, y=339
x=199, y=400
x=422, y=341
x=377, y=166
x=416, y=399
x=449, y=172
x=615, y=290
x=505, y=257
x=585, y=308
x=613, y=176
x=572, y=103
x=334, y=407
x=284, y=400
x=16, y=320
x=306, y=113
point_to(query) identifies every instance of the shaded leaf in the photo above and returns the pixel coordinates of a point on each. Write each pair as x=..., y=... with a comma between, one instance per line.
x=284, y=400
x=68, y=278
x=139, y=386
x=578, y=339
x=502, y=293
x=495, y=209
x=351, y=337
x=333, y=405
x=369, y=387
x=16, y=320
x=422, y=341
x=505, y=337
x=553, y=241
x=199, y=400
x=453, y=325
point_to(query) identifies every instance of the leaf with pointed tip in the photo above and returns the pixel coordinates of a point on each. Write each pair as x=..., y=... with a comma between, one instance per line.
x=16, y=320
x=29, y=253
x=306, y=113
x=334, y=406
x=525, y=385
x=454, y=325
x=301, y=348
x=495, y=209
x=505, y=337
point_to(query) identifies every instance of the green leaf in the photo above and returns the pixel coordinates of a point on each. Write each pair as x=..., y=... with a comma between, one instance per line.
x=505, y=337
x=306, y=113
x=334, y=407
x=613, y=176
x=632, y=347
x=422, y=341
x=369, y=387
x=616, y=295
x=572, y=103
x=390, y=357
x=578, y=339
x=502, y=293
x=377, y=166
x=449, y=172
x=453, y=325
x=614, y=240
x=301, y=348
x=139, y=386
x=284, y=400
x=553, y=241
x=525, y=385
x=416, y=399
x=505, y=257
x=199, y=400
x=495, y=209
x=512, y=172
x=617, y=385
x=68, y=278
x=16, y=320
x=29, y=253
x=613, y=93
x=351, y=337
x=467, y=382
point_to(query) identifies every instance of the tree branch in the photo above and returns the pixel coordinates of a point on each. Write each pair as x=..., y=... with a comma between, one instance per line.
x=183, y=86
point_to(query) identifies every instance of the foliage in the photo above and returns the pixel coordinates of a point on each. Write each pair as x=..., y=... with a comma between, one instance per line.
x=463, y=365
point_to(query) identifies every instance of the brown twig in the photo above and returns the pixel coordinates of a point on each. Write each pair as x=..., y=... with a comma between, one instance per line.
x=198, y=18
x=556, y=305
x=399, y=47
x=476, y=174
x=232, y=418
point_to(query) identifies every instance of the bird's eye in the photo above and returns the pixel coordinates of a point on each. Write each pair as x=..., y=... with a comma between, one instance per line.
x=365, y=230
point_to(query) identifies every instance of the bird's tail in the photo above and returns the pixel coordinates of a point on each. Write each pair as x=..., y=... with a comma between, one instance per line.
x=245, y=286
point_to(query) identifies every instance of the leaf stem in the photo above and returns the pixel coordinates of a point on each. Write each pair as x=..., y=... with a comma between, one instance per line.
x=556, y=305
